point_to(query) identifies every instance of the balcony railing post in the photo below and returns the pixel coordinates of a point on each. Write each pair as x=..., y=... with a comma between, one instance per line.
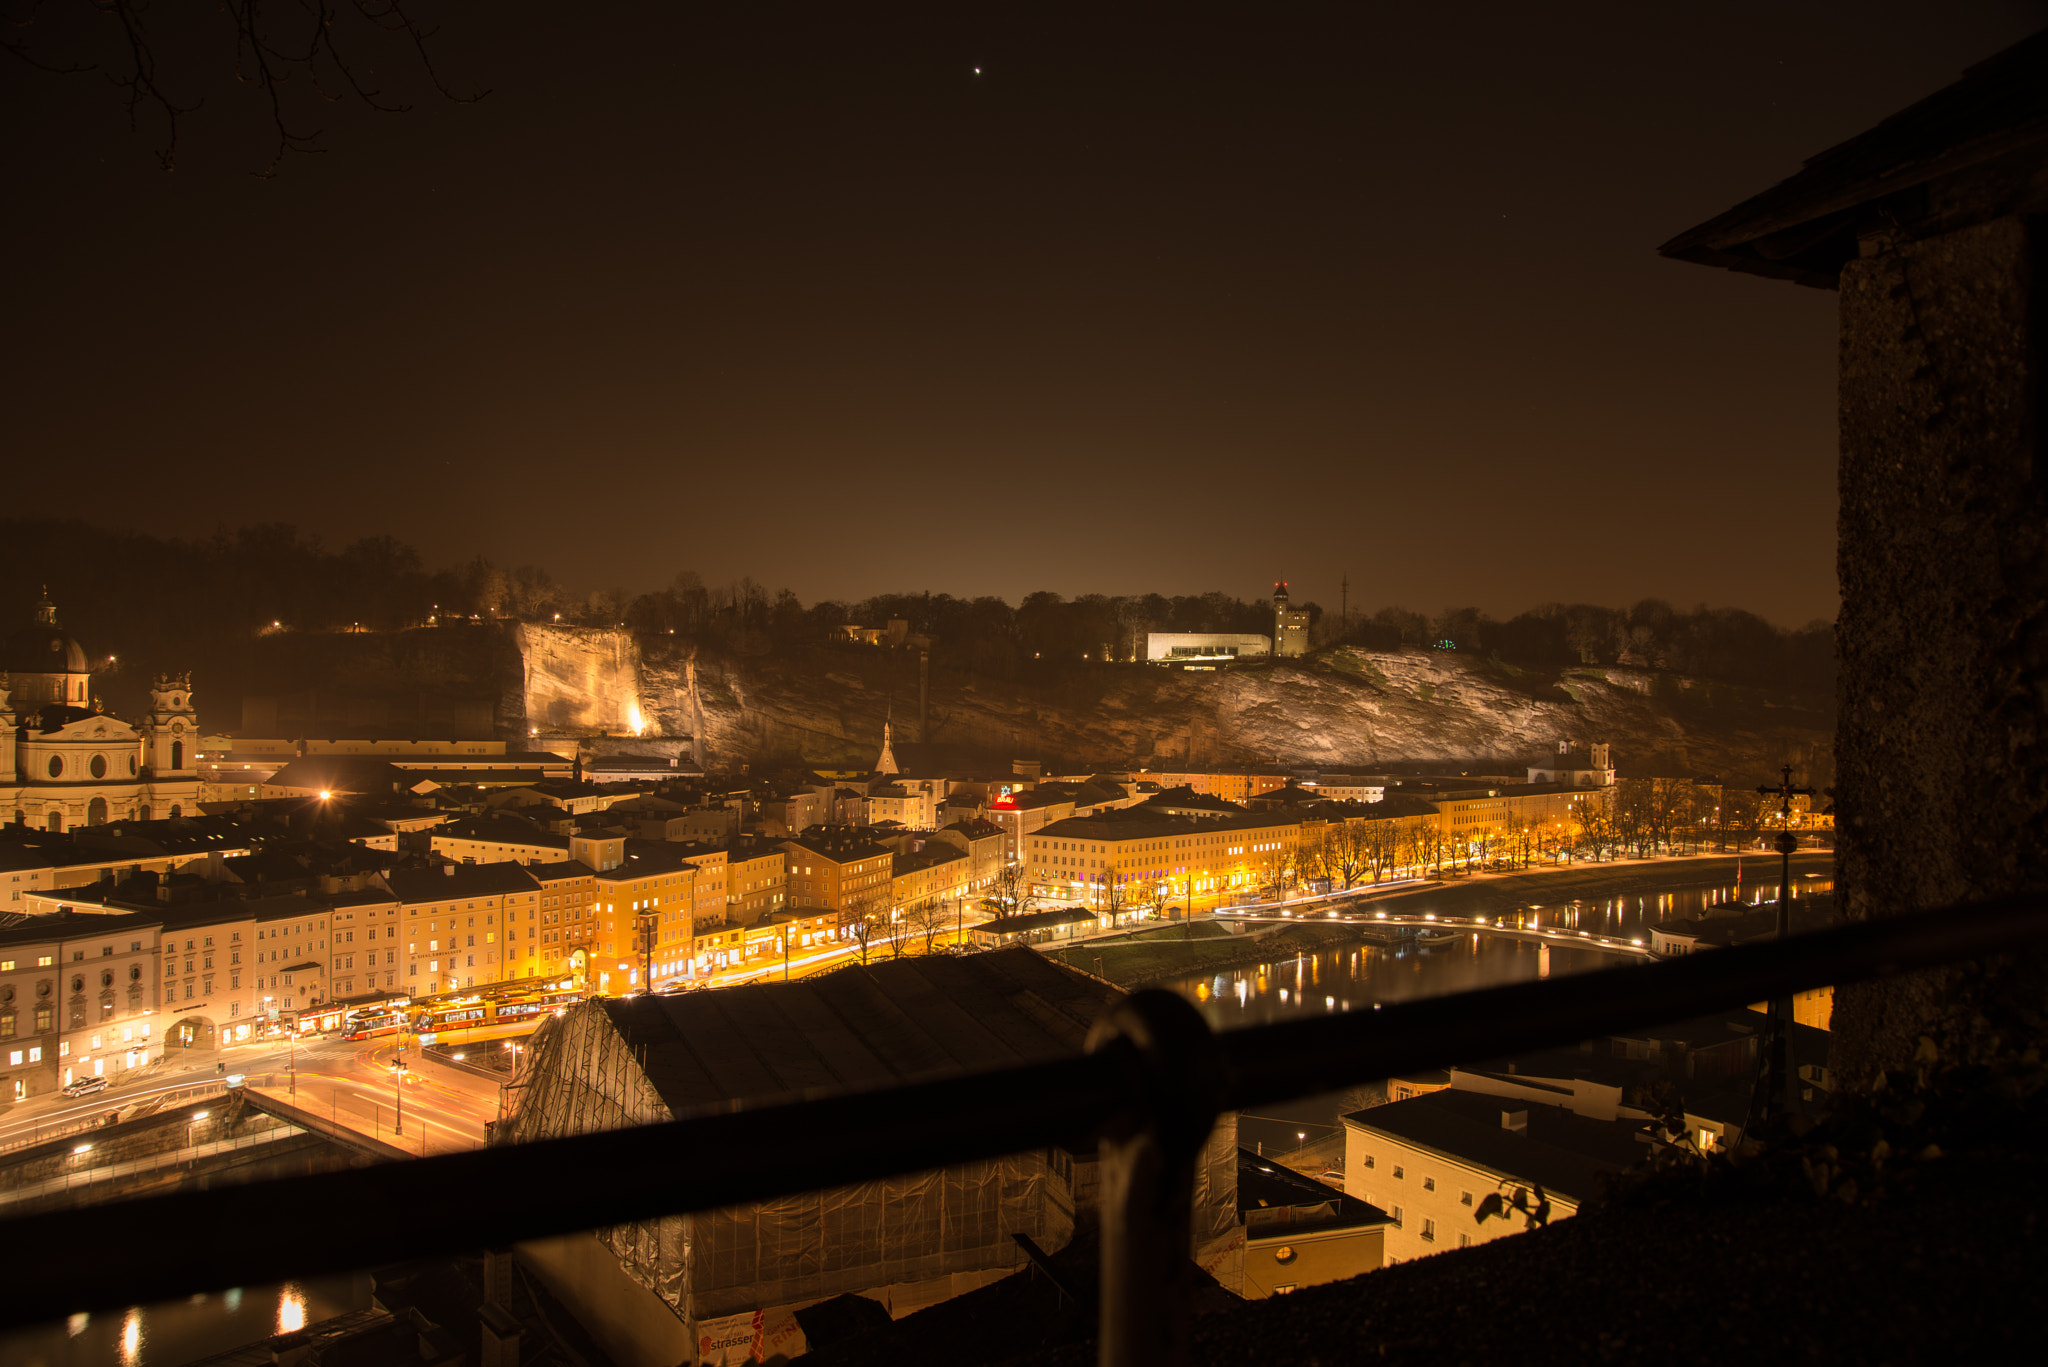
x=1148, y=1156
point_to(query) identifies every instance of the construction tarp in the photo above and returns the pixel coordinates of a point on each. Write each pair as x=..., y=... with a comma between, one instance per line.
x=611, y=1063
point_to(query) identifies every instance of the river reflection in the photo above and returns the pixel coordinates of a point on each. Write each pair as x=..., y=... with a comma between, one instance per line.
x=1356, y=977
x=178, y=1331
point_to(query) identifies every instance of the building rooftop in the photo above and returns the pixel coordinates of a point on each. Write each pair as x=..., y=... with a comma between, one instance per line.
x=1993, y=122
x=559, y=870
x=859, y=1026
x=840, y=844
x=1567, y=1154
x=1040, y=920
x=1185, y=798
x=439, y=882
x=66, y=925
x=1293, y=1204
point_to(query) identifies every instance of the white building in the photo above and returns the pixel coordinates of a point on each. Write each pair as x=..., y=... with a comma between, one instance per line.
x=1203, y=647
x=1591, y=768
x=1432, y=1160
x=63, y=764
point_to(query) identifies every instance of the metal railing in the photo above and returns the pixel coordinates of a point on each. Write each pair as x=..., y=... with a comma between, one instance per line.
x=1147, y=1092
x=149, y=1103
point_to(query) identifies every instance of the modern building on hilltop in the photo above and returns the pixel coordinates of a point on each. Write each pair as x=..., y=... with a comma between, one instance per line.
x=1204, y=649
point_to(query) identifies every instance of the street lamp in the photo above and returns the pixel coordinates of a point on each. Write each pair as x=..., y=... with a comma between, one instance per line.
x=398, y=1093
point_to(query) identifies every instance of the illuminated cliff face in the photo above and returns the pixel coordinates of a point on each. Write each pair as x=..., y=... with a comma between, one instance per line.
x=1364, y=708
x=583, y=681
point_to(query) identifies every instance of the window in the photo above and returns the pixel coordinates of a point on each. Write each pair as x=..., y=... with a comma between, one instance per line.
x=1464, y=1241
x=1396, y=1213
x=1464, y=1198
x=1398, y=1172
x=1429, y=1231
x=1429, y=1184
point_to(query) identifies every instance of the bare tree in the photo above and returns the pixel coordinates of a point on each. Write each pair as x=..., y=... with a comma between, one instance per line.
x=1593, y=825
x=1345, y=846
x=1312, y=853
x=928, y=920
x=288, y=59
x=861, y=925
x=1381, y=847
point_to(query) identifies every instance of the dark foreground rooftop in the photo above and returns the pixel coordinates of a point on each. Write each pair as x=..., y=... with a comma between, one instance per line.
x=1943, y=1268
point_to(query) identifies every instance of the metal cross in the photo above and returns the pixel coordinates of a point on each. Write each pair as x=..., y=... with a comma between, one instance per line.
x=1780, y=1086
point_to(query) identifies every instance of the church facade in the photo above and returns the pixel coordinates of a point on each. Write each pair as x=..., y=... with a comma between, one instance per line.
x=64, y=763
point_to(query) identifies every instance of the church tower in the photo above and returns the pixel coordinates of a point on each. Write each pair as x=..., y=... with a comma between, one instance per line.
x=170, y=731
x=8, y=773
x=887, y=763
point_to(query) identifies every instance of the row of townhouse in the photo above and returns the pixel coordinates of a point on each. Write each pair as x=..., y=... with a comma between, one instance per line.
x=1132, y=857
x=99, y=988
x=1169, y=850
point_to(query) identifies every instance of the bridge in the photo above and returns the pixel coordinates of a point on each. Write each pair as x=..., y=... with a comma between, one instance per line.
x=1547, y=936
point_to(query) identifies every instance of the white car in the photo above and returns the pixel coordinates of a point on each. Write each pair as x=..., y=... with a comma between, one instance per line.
x=86, y=1086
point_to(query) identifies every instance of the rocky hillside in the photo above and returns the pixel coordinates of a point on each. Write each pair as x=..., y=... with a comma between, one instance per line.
x=1346, y=707
x=826, y=705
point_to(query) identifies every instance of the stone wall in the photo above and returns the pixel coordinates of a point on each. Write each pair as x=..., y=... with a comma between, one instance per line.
x=1940, y=790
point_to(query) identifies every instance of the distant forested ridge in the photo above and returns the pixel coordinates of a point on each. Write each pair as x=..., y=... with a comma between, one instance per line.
x=166, y=600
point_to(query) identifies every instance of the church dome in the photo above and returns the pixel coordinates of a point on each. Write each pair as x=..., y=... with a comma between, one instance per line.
x=44, y=648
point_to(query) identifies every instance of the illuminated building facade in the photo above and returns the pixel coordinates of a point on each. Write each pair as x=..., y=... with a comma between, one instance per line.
x=64, y=764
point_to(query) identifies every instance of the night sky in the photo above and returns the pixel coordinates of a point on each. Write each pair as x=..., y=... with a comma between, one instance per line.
x=1173, y=305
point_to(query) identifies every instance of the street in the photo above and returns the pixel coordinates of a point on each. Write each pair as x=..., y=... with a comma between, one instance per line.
x=351, y=1083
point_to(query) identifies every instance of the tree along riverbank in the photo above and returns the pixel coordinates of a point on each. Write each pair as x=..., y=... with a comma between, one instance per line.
x=1172, y=951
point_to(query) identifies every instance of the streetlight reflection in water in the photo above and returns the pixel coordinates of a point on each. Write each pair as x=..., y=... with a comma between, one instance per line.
x=1356, y=977
x=178, y=1331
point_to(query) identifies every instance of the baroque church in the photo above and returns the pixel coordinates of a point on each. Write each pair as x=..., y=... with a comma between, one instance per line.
x=64, y=763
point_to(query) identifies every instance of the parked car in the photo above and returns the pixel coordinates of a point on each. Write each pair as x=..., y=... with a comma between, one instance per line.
x=86, y=1086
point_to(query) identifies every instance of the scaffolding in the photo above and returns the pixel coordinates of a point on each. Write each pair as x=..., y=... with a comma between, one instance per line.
x=906, y=1240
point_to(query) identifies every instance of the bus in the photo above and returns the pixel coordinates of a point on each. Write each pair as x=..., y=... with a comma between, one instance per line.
x=364, y=1024
x=456, y=1015
x=469, y=1012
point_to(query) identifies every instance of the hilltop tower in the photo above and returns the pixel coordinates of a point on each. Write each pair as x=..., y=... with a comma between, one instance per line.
x=1290, y=624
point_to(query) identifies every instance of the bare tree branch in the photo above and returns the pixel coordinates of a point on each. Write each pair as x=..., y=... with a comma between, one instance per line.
x=328, y=44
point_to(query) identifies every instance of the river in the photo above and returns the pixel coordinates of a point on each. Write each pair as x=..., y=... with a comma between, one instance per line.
x=178, y=1331
x=1355, y=977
